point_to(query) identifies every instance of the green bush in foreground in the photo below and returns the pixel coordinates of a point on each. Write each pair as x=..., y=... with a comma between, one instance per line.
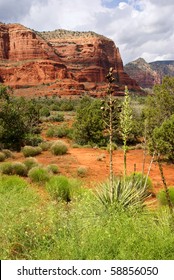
x=59, y=148
x=37, y=228
x=162, y=196
x=38, y=174
x=6, y=168
x=29, y=151
x=19, y=168
x=2, y=156
x=59, y=188
x=30, y=162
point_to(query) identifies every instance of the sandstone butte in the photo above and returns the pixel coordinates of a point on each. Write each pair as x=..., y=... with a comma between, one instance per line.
x=66, y=62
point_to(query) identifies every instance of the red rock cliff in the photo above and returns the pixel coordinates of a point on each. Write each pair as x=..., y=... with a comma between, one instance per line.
x=28, y=57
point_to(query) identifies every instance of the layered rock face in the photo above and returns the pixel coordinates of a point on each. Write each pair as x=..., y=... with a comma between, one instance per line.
x=88, y=56
x=149, y=74
x=61, y=57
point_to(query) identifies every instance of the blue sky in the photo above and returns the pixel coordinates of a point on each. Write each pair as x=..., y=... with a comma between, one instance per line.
x=140, y=28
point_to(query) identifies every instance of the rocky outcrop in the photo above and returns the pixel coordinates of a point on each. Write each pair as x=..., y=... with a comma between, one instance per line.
x=149, y=74
x=88, y=56
x=31, y=58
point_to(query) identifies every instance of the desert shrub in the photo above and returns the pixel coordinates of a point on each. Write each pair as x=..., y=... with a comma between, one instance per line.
x=45, y=112
x=53, y=168
x=45, y=145
x=32, y=140
x=141, y=181
x=59, y=188
x=82, y=171
x=2, y=156
x=162, y=196
x=8, y=153
x=6, y=168
x=29, y=151
x=59, y=131
x=59, y=148
x=30, y=162
x=67, y=105
x=57, y=118
x=50, y=132
x=19, y=168
x=113, y=147
x=38, y=174
x=55, y=107
x=127, y=193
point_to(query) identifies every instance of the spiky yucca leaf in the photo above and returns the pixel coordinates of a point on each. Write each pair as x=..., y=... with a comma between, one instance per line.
x=126, y=193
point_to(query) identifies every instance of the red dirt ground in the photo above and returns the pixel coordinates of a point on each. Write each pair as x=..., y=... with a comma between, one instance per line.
x=98, y=170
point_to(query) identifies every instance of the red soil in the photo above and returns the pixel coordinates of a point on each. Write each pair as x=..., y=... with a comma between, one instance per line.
x=96, y=162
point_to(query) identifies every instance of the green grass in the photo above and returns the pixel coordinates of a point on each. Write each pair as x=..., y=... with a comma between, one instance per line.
x=34, y=227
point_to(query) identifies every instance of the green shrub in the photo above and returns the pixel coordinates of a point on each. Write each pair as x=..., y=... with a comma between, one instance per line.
x=50, y=132
x=61, y=131
x=30, y=162
x=19, y=168
x=2, y=156
x=8, y=153
x=32, y=140
x=45, y=145
x=59, y=188
x=59, y=148
x=141, y=181
x=29, y=151
x=114, y=147
x=45, y=112
x=53, y=168
x=82, y=171
x=57, y=118
x=162, y=196
x=6, y=168
x=38, y=174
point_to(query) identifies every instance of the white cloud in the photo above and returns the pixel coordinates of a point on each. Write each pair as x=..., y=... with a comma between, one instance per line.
x=140, y=28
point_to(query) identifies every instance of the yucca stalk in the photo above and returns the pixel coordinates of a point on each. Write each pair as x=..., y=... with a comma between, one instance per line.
x=110, y=79
x=126, y=125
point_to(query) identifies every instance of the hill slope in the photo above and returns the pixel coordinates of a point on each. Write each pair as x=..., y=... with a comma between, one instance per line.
x=149, y=74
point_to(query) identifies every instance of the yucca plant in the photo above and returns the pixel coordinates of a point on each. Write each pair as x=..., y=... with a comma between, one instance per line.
x=126, y=193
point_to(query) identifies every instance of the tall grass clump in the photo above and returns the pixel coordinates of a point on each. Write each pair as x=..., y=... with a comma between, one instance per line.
x=59, y=188
x=29, y=151
x=30, y=162
x=59, y=148
x=161, y=196
x=6, y=168
x=19, y=168
x=25, y=230
x=53, y=168
x=39, y=174
x=64, y=189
